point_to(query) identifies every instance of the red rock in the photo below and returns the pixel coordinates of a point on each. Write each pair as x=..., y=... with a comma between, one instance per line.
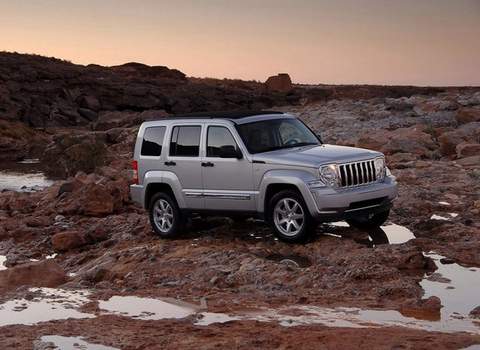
x=467, y=150
x=449, y=141
x=468, y=115
x=46, y=273
x=67, y=240
x=280, y=83
x=412, y=140
x=96, y=200
x=469, y=161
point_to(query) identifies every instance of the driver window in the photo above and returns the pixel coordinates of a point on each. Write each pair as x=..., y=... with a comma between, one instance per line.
x=288, y=132
x=218, y=137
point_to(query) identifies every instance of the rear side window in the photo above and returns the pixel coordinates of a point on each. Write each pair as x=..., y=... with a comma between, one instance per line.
x=218, y=137
x=153, y=141
x=185, y=141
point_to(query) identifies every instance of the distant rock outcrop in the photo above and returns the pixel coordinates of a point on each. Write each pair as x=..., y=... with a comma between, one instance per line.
x=43, y=92
x=280, y=83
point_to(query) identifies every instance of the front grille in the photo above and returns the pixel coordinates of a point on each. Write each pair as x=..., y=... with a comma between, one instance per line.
x=357, y=173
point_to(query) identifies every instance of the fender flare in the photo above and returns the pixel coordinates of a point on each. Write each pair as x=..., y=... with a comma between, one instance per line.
x=297, y=178
x=168, y=178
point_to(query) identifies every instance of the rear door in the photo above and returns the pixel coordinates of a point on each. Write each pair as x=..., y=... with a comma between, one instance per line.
x=228, y=182
x=184, y=160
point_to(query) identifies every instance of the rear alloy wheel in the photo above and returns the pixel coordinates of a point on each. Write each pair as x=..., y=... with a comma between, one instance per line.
x=164, y=215
x=369, y=222
x=289, y=217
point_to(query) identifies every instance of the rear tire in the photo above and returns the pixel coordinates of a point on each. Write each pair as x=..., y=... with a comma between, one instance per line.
x=289, y=217
x=366, y=223
x=165, y=216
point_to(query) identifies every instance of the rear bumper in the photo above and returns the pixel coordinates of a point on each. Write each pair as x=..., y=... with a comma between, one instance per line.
x=137, y=194
x=339, y=204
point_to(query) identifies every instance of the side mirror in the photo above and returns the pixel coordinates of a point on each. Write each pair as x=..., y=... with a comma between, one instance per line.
x=319, y=137
x=230, y=152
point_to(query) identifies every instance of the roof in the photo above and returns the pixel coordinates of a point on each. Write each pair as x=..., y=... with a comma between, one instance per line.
x=222, y=115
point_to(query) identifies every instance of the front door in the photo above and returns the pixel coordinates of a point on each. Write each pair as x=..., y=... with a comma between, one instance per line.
x=227, y=179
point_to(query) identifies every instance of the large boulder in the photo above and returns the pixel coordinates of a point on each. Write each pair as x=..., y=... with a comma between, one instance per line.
x=467, y=133
x=279, y=83
x=414, y=140
x=67, y=240
x=468, y=115
x=46, y=273
x=467, y=149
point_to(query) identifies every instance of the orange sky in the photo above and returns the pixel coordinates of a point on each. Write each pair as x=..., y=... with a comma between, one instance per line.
x=419, y=42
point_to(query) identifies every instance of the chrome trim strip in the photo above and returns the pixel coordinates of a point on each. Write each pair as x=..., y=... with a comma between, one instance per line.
x=228, y=196
x=219, y=195
x=194, y=194
x=368, y=207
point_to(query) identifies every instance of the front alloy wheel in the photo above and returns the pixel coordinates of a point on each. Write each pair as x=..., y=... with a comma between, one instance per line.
x=289, y=217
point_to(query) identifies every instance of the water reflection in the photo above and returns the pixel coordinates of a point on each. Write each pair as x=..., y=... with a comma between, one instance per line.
x=3, y=260
x=47, y=304
x=147, y=308
x=387, y=234
x=71, y=343
x=23, y=176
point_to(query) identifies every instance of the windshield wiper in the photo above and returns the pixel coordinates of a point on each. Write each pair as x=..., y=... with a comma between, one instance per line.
x=300, y=144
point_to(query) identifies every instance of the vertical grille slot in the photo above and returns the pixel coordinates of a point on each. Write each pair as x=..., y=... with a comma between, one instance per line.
x=349, y=175
x=354, y=174
x=357, y=173
x=343, y=177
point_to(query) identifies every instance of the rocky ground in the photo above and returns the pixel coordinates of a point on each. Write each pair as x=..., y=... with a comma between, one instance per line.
x=104, y=243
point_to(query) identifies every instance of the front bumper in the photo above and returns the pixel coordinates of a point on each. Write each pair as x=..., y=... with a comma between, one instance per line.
x=333, y=204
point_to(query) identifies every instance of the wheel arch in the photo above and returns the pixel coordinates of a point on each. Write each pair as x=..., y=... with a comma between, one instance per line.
x=278, y=180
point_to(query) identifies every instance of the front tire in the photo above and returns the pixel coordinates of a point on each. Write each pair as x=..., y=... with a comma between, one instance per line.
x=165, y=216
x=289, y=217
x=369, y=223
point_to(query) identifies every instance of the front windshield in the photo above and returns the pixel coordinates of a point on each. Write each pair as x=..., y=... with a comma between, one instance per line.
x=270, y=135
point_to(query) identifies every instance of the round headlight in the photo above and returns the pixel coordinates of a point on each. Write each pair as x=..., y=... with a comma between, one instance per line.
x=328, y=173
x=380, y=168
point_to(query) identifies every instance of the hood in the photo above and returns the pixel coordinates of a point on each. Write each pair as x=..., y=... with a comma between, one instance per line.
x=314, y=156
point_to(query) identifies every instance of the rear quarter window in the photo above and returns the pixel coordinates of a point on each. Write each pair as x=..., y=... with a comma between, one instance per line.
x=153, y=141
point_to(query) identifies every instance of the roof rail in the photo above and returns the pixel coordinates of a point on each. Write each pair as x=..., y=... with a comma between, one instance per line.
x=222, y=115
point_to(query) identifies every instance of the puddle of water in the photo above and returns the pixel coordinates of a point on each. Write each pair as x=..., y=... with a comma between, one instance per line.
x=147, y=308
x=439, y=217
x=48, y=304
x=3, y=260
x=463, y=297
x=157, y=309
x=387, y=234
x=292, y=260
x=397, y=234
x=339, y=317
x=24, y=176
x=73, y=343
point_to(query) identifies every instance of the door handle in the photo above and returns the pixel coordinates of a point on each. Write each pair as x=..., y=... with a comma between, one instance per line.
x=207, y=164
x=170, y=163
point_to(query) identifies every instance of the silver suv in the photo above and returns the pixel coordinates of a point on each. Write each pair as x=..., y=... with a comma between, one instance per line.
x=268, y=165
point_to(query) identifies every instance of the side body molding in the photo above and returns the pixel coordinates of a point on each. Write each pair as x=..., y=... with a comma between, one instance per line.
x=297, y=178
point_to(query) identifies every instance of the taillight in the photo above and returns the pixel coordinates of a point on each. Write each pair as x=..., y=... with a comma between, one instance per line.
x=135, y=172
